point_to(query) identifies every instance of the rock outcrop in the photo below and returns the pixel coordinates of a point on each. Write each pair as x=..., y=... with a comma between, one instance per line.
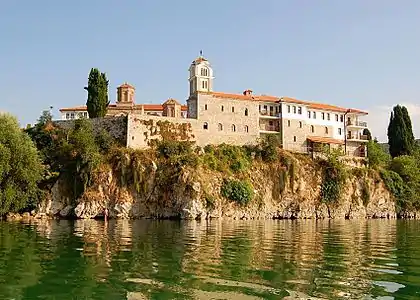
x=194, y=193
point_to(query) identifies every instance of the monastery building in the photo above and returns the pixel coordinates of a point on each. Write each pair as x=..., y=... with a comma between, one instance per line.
x=239, y=119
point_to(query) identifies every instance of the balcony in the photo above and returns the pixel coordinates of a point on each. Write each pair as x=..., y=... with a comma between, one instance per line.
x=356, y=123
x=269, y=114
x=269, y=128
x=357, y=137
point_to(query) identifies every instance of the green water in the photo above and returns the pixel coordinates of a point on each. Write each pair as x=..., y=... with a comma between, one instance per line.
x=377, y=259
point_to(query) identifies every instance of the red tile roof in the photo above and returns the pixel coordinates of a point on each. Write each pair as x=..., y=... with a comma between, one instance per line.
x=325, y=140
x=126, y=85
x=147, y=107
x=267, y=98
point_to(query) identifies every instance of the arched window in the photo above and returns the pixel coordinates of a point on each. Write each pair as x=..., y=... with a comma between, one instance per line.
x=204, y=72
x=220, y=127
x=312, y=128
x=246, y=111
x=233, y=127
x=326, y=130
x=246, y=128
x=206, y=125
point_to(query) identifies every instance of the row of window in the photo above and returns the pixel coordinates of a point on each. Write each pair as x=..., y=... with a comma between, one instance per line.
x=204, y=72
x=296, y=109
x=222, y=108
x=313, y=128
x=71, y=116
x=312, y=114
x=220, y=127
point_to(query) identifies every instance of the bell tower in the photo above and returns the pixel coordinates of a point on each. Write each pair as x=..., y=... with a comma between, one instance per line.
x=125, y=95
x=201, y=75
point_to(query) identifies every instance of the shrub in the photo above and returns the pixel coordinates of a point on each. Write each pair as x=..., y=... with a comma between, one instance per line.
x=20, y=167
x=226, y=158
x=377, y=157
x=241, y=192
x=333, y=176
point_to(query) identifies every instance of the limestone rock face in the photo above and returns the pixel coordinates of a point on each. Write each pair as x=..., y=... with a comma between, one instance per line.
x=195, y=194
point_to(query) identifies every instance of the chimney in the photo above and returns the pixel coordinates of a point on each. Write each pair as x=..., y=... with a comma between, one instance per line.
x=248, y=92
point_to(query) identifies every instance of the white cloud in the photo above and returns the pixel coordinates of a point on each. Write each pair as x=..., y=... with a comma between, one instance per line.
x=378, y=120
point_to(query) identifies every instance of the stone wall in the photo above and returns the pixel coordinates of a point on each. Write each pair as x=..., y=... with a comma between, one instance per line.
x=142, y=129
x=115, y=126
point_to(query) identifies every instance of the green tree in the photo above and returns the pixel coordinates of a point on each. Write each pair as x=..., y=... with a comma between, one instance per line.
x=367, y=133
x=97, y=101
x=400, y=132
x=20, y=167
x=377, y=157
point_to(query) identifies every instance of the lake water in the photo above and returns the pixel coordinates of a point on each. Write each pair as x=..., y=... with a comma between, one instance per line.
x=373, y=259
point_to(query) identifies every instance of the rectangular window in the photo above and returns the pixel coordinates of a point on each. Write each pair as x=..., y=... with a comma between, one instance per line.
x=233, y=109
x=271, y=110
x=288, y=123
x=67, y=116
x=294, y=109
x=341, y=118
x=205, y=106
x=294, y=139
x=223, y=108
x=314, y=115
x=259, y=107
x=328, y=116
x=339, y=131
x=288, y=109
x=309, y=114
x=299, y=110
x=72, y=116
x=323, y=116
x=265, y=107
x=336, y=117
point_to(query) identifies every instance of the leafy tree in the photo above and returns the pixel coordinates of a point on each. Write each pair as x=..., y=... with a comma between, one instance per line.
x=400, y=132
x=20, y=167
x=97, y=101
x=377, y=157
x=80, y=155
x=367, y=133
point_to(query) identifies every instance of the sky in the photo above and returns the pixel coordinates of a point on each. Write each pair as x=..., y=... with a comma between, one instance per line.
x=361, y=54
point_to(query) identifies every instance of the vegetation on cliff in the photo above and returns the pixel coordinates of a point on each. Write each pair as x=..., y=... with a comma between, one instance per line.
x=20, y=167
x=400, y=169
x=78, y=156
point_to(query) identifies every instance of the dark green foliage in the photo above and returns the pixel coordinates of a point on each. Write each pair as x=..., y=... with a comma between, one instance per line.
x=225, y=158
x=97, y=101
x=400, y=132
x=365, y=193
x=20, y=167
x=241, y=192
x=367, y=133
x=377, y=157
x=177, y=153
x=81, y=155
x=267, y=148
x=403, y=181
x=333, y=177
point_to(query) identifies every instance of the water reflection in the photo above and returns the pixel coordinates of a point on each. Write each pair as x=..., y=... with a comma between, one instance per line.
x=122, y=259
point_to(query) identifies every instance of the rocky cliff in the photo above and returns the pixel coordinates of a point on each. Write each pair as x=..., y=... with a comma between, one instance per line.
x=145, y=188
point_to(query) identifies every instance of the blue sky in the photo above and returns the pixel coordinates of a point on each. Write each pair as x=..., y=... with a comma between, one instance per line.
x=362, y=54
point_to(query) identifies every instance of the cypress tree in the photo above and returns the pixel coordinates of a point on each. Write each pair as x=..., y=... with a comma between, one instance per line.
x=400, y=132
x=97, y=101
